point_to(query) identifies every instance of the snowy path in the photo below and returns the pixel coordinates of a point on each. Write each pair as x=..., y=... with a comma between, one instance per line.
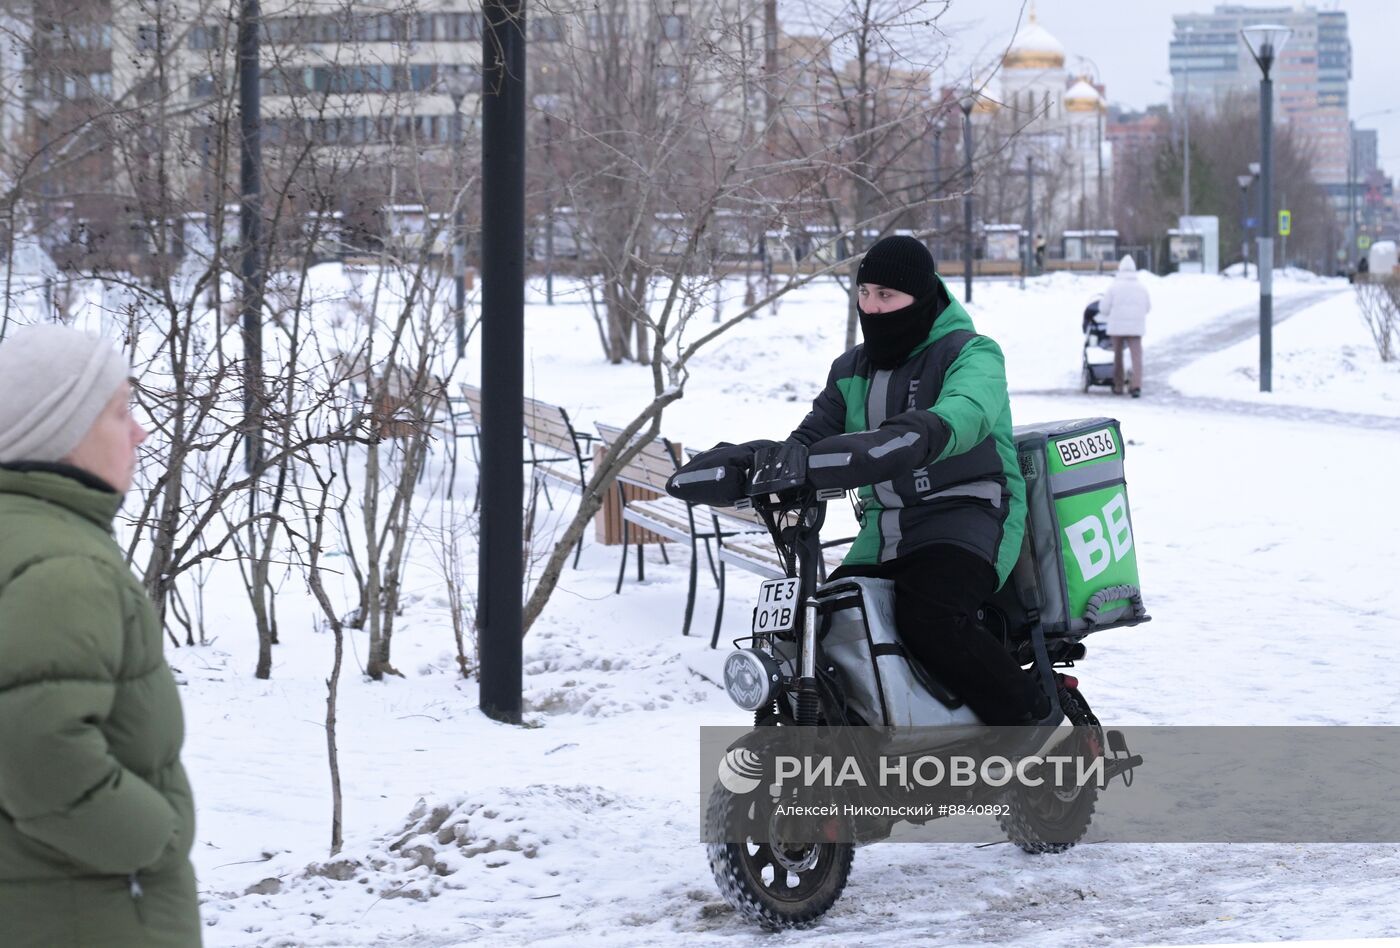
x=1229, y=329
x=1235, y=327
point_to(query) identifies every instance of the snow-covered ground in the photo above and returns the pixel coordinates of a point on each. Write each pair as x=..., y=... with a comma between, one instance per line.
x=1323, y=357
x=1267, y=561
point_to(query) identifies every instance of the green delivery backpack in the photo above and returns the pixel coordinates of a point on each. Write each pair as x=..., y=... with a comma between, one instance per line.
x=1078, y=571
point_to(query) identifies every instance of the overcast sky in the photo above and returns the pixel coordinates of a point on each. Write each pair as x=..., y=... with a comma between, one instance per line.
x=1128, y=40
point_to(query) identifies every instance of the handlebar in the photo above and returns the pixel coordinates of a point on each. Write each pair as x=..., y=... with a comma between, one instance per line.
x=763, y=476
x=770, y=479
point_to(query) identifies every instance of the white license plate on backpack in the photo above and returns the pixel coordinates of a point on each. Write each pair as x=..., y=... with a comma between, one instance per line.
x=777, y=606
x=1086, y=447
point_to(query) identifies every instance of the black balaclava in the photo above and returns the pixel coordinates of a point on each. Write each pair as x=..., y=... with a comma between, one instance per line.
x=904, y=264
x=891, y=336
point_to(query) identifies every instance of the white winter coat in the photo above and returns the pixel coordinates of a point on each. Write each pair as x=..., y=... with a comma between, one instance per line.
x=1125, y=306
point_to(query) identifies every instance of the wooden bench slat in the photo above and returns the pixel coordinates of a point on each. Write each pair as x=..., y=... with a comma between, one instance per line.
x=473, y=396
x=546, y=427
x=662, y=527
x=651, y=467
x=568, y=477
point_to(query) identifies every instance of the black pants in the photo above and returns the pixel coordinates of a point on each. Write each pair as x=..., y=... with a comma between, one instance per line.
x=938, y=591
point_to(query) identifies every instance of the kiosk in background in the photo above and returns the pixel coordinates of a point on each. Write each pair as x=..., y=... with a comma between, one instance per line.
x=1194, y=245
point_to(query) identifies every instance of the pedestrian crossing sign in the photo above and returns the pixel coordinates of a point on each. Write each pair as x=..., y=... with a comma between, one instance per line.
x=1285, y=223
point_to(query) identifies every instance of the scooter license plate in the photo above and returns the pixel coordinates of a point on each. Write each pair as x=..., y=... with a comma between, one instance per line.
x=777, y=606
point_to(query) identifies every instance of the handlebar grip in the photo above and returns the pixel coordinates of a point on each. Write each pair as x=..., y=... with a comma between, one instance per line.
x=778, y=469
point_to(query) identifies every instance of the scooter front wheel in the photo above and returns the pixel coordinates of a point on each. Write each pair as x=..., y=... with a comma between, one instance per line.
x=778, y=885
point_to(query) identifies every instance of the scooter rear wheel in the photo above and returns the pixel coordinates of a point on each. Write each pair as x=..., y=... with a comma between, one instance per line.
x=1049, y=819
x=777, y=885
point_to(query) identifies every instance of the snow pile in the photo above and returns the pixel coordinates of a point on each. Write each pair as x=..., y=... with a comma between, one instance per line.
x=485, y=861
x=452, y=845
x=565, y=676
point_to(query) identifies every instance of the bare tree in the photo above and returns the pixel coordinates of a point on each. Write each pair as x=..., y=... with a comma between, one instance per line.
x=1148, y=193
x=859, y=119
x=319, y=503
x=1379, y=301
x=616, y=80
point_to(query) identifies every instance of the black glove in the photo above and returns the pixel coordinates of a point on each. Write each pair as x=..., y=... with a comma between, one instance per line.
x=779, y=469
x=717, y=477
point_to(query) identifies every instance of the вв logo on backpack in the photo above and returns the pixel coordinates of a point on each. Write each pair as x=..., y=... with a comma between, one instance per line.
x=1102, y=538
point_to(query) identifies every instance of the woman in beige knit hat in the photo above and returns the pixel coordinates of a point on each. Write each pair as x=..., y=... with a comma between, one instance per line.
x=96, y=815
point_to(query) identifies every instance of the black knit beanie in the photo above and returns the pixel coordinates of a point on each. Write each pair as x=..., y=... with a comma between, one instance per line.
x=900, y=263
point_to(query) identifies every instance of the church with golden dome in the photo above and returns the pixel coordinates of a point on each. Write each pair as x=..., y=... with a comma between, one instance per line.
x=1037, y=108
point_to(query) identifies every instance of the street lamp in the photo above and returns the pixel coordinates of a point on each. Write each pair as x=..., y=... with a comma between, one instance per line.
x=1245, y=180
x=966, y=103
x=1265, y=42
x=458, y=83
x=499, y=614
x=253, y=268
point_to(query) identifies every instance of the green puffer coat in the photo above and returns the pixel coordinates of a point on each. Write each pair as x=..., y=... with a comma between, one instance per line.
x=96, y=817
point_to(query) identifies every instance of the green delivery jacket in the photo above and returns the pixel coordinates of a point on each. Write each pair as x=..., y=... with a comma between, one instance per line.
x=96, y=817
x=926, y=444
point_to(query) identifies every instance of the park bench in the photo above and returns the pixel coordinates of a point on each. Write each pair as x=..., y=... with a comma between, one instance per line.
x=669, y=518
x=558, y=453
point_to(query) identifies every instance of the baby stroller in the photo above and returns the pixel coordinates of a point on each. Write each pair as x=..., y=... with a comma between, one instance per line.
x=1098, y=349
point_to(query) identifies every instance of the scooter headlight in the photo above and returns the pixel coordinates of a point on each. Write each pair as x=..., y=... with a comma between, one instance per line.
x=751, y=678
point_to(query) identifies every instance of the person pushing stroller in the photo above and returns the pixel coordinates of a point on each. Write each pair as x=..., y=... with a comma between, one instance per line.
x=1124, y=309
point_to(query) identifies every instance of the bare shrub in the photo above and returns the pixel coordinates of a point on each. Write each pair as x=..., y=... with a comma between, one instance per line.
x=1379, y=301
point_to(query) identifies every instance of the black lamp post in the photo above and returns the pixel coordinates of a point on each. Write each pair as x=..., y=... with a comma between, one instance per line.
x=1265, y=42
x=500, y=578
x=250, y=226
x=966, y=103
